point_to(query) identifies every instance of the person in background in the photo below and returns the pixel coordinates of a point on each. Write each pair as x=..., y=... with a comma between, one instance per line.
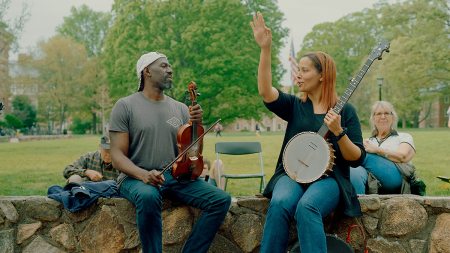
x=212, y=174
x=307, y=204
x=448, y=115
x=218, y=128
x=216, y=173
x=93, y=166
x=384, y=148
x=206, y=169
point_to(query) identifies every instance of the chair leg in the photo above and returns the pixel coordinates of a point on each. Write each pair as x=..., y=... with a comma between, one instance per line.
x=261, y=185
x=226, y=182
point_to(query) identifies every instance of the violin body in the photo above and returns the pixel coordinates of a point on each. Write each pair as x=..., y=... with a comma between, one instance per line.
x=190, y=165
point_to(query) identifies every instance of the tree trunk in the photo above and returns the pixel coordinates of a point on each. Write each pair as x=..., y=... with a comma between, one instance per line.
x=94, y=123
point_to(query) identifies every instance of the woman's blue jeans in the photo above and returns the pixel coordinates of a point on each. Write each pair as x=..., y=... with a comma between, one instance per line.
x=213, y=202
x=307, y=205
x=383, y=169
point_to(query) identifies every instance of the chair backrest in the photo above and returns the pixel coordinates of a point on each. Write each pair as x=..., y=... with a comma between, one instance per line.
x=238, y=148
x=241, y=148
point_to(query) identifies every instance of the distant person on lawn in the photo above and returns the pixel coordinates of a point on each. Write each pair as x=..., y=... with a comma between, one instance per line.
x=448, y=115
x=93, y=166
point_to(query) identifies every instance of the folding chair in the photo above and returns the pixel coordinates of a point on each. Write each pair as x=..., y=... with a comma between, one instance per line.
x=241, y=148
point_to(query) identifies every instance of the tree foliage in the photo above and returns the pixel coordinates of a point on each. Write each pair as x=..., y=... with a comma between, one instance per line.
x=87, y=27
x=62, y=65
x=24, y=110
x=419, y=34
x=9, y=33
x=13, y=122
x=11, y=29
x=209, y=42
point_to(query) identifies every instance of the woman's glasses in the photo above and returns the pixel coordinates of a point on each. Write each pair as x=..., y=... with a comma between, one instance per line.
x=385, y=114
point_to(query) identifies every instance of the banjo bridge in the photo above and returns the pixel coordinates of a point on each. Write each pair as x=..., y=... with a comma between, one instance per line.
x=303, y=163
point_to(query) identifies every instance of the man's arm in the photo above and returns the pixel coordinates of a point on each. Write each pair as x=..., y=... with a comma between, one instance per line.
x=81, y=167
x=77, y=168
x=119, y=154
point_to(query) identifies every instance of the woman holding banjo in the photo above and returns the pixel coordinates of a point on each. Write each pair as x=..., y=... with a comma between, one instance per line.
x=308, y=203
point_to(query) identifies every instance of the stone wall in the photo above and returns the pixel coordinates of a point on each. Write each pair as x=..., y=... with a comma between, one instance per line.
x=400, y=223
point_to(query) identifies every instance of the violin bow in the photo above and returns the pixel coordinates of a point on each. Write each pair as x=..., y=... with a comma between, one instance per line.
x=189, y=147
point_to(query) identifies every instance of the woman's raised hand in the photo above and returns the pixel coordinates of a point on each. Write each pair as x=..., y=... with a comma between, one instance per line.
x=262, y=34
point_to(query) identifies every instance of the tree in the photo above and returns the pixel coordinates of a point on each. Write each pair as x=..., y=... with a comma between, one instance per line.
x=89, y=28
x=413, y=66
x=215, y=48
x=13, y=122
x=9, y=32
x=418, y=66
x=62, y=65
x=24, y=110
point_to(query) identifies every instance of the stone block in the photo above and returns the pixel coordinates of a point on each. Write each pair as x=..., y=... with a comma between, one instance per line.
x=64, y=234
x=103, y=234
x=440, y=237
x=25, y=231
x=9, y=211
x=402, y=216
x=7, y=241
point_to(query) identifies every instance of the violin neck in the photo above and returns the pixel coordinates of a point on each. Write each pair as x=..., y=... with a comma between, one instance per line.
x=194, y=126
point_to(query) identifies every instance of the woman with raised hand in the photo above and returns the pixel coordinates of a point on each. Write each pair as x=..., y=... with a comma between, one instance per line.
x=307, y=204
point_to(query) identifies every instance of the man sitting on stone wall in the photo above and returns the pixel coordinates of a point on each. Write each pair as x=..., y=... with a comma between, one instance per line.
x=93, y=166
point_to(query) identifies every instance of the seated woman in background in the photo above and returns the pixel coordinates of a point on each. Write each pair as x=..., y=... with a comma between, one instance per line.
x=206, y=168
x=385, y=148
x=215, y=173
x=212, y=173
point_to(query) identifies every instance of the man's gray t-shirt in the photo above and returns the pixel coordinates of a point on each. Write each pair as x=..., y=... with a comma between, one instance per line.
x=152, y=127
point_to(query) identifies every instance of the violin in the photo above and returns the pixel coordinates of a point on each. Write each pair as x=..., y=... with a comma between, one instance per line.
x=190, y=165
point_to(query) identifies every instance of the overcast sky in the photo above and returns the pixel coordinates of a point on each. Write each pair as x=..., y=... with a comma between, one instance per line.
x=300, y=15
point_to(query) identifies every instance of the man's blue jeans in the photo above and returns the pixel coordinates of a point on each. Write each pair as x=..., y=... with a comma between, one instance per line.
x=213, y=202
x=383, y=169
x=307, y=205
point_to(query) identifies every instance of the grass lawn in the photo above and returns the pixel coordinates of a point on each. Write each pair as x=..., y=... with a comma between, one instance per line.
x=29, y=168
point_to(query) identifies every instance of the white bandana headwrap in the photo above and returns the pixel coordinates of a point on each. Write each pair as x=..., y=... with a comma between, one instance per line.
x=144, y=61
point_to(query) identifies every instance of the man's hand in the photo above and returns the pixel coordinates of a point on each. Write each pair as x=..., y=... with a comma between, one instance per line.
x=153, y=177
x=196, y=113
x=93, y=175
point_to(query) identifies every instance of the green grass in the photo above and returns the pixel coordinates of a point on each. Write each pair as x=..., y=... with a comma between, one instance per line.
x=29, y=168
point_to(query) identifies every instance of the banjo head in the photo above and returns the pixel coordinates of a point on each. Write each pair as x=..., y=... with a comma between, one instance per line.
x=307, y=157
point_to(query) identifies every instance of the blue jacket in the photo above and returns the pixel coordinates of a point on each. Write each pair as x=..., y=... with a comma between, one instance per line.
x=76, y=197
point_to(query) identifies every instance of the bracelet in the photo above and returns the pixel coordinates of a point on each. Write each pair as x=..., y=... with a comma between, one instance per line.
x=341, y=134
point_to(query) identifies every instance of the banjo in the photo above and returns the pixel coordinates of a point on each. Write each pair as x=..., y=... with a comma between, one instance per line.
x=308, y=156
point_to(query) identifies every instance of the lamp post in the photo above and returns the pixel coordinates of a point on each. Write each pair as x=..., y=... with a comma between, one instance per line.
x=380, y=83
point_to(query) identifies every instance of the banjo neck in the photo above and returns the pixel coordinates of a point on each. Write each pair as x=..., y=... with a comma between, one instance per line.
x=355, y=81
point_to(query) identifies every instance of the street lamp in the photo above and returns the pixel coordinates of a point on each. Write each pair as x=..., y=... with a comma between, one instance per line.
x=380, y=83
